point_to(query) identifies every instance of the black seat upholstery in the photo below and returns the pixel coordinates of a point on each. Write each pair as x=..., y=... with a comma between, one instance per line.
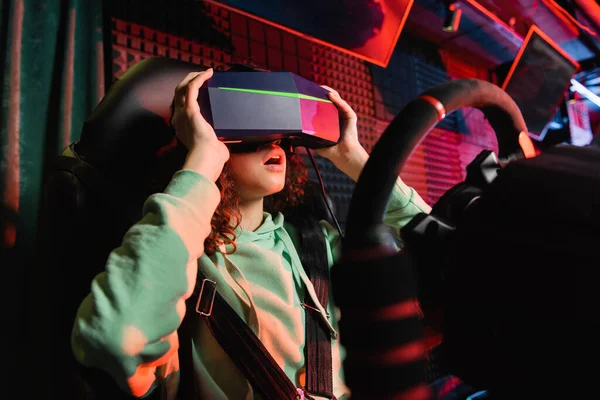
x=96, y=191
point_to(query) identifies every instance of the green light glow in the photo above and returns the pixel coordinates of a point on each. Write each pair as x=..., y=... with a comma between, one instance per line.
x=281, y=94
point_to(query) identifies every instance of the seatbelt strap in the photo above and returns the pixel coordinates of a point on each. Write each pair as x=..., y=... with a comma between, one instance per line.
x=242, y=345
x=312, y=250
x=319, y=374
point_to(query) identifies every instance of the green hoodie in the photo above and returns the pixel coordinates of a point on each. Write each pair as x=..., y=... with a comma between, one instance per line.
x=128, y=323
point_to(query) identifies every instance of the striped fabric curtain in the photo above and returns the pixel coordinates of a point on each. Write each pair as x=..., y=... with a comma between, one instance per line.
x=51, y=76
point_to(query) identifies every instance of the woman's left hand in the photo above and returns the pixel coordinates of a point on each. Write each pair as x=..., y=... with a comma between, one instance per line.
x=347, y=155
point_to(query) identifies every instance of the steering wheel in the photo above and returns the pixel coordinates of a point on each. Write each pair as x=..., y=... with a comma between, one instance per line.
x=373, y=284
x=400, y=138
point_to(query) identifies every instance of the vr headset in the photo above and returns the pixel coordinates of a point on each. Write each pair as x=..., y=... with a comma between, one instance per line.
x=250, y=109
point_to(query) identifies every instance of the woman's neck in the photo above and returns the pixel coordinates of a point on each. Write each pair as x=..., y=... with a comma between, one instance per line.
x=252, y=214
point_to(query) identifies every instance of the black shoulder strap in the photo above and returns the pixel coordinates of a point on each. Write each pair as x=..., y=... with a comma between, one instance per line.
x=313, y=254
x=242, y=345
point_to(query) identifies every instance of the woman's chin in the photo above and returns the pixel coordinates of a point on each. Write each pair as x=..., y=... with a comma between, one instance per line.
x=274, y=187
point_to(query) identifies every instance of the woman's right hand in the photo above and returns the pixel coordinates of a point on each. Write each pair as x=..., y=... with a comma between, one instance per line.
x=206, y=153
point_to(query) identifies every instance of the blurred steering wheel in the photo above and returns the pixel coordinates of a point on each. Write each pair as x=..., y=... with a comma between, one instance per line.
x=373, y=284
x=372, y=192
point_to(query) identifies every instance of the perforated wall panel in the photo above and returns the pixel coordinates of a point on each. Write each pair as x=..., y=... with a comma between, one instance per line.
x=134, y=42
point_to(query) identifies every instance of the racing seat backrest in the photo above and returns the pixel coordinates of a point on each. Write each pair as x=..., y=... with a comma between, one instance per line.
x=95, y=193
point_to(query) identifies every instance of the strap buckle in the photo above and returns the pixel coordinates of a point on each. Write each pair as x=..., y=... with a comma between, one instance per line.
x=204, y=304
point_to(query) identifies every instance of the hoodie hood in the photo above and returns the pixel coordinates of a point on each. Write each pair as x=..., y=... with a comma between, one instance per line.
x=265, y=230
x=267, y=260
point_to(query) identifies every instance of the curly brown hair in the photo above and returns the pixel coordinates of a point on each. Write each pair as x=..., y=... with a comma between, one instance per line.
x=227, y=217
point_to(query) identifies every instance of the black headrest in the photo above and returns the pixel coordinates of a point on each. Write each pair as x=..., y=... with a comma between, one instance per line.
x=123, y=136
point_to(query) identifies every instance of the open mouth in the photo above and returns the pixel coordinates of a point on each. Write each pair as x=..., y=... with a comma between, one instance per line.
x=275, y=160
x=275, y=157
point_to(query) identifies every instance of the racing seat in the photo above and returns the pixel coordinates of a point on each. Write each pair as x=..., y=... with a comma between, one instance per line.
x=96, y=191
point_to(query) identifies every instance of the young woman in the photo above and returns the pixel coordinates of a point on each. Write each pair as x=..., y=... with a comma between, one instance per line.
x=212, y=216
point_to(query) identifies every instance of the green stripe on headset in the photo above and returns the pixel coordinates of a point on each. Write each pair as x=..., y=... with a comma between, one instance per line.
x=281, y=94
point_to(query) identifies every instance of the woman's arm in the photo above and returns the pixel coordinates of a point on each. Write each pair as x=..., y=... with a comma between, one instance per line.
x=128, y=323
